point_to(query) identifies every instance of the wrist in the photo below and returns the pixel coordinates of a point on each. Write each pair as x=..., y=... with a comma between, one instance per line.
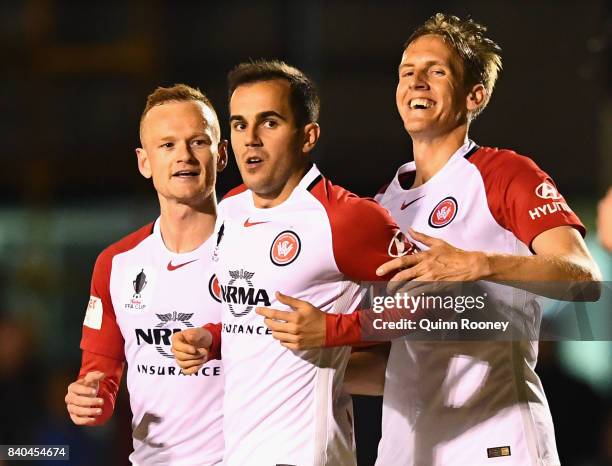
x=483, y=267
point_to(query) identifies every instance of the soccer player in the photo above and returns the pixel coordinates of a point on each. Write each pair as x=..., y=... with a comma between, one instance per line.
x=156, y=281
x=287, y=228
x=480, y=213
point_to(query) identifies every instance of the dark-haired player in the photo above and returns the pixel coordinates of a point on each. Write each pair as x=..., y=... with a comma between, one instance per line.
x=287, y=228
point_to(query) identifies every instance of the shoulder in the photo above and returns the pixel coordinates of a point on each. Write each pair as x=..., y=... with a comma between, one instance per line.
x=501, y=163
x=126, y=243
x=344, y=206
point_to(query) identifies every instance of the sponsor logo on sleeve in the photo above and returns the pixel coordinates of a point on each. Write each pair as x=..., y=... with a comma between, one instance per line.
x=547, y=191
x=443, y=213
x=400, y=245
x=93, y=314
x=285, y=248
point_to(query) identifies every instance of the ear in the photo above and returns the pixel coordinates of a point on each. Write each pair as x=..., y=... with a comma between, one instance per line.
x=476, y=97
x=144, y=166
x=221, y=155
x=312, y=131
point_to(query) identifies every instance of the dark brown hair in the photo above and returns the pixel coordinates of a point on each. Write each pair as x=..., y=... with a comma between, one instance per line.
x=303, y=93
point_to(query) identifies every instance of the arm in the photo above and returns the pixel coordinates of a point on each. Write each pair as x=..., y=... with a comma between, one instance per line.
x=365, y=373
x=90, y=400
x=561, y=256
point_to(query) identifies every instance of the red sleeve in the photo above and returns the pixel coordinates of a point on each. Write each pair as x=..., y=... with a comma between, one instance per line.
x=109, y=385
x=364, y=236
x=101, y=334
x=215, y=347
x=522, y=198
x=343, y=329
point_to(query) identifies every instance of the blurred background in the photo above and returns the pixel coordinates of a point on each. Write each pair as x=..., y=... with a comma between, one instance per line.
x=75, y=76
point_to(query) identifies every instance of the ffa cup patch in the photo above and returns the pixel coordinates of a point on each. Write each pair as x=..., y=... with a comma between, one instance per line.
x=285, y=248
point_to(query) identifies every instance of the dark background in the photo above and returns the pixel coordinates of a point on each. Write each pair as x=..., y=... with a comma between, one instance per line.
x=75, y=76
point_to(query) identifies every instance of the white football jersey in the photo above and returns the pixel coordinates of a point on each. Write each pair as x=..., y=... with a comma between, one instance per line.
x=475, y=403
x=141, y=294
x=281, y=406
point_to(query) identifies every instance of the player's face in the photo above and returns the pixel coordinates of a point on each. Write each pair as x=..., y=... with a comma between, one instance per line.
x=270, y=149
x=182, y=151
x=430, y=96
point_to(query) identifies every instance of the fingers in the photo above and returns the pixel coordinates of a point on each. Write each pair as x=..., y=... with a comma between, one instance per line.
x=81, y=401
x=181, y=357
x=199, y=337
x=275, y=314
x=93, y=378
x=423, y=238
x=277, y=326
x=191, y=367
x=399, y=263
x=293, y=303
x=81, y=411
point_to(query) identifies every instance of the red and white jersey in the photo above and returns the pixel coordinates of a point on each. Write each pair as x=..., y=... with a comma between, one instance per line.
x=141, y=294
x=480, y=402
x=282, y=406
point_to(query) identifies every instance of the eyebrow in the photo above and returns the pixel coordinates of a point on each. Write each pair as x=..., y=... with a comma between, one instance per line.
x=428, y=63
x=259, y=116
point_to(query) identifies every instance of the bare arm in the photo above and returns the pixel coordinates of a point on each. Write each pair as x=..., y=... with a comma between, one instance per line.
x=561, y=256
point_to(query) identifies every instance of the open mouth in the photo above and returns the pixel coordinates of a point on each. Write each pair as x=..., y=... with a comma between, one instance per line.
x=186, y=173
x=420, y=104
x=253, y=161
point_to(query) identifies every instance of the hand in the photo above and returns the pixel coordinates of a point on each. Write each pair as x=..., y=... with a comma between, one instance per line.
x=441, y=262
x=299, y=329
x=82, y=402
x=604, y=221
x=191, y=348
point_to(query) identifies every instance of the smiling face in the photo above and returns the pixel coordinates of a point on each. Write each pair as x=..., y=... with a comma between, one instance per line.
x=271, y=150
x=181, y=151
x=431, y=97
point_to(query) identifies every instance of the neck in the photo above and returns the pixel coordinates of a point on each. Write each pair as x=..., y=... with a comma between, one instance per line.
x=431, y=153
x=184, y=227
x=280, y=195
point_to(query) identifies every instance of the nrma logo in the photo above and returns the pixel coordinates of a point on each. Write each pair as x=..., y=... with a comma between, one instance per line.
x=162, y=333
x=242, y=299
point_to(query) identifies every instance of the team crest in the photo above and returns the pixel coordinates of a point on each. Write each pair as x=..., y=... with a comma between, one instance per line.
x=443, y=213
x=285, y=248
x=214, y=288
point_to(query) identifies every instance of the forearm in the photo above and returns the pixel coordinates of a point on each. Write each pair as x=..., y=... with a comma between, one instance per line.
x=568, y=277
x=365, y=372
x=109, y=386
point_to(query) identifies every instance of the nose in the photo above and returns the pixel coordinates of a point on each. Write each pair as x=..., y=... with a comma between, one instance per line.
x=185, y=153
x=252, y=137
x=418, y=80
